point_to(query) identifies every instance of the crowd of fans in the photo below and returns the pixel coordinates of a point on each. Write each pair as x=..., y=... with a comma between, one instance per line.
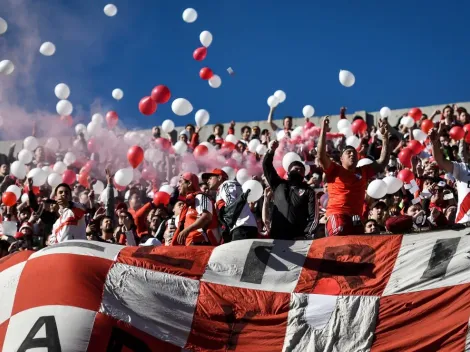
x=195, y=198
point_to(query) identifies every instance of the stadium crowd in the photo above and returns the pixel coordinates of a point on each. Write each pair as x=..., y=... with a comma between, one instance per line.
x=290, y=182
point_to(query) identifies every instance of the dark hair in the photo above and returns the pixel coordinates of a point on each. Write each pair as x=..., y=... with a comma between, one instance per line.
x=447, y=106
x=190, y=125
x=288, y=117
x=62, y=185
x=203, y=184
x=211, y=137
x=103, y=218
x=264, y=132
x=371, y=220
x=131, y=218
x=220, y=126
x=244, y=128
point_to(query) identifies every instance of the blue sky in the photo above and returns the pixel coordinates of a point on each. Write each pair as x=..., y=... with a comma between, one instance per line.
x=403, y=54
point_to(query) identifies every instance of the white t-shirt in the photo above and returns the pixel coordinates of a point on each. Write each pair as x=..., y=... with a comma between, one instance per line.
x=229, y=191
x=462, y=175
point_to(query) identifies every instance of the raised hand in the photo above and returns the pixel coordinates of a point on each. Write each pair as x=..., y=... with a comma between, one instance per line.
x=325, y=123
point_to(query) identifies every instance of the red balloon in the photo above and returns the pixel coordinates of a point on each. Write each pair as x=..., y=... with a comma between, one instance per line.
x=232, y=163
x=228, y=145
x=112, y=119
x=415, y=146
x=406, y=175
x=466, y=128
x=200, y=151
x=161, y=94
x=415, y=113
x=405, y=157
x=93, y=146
x=83, y=179
x=36, y=190
x=281, y=172
x=359, y=126
x=456, y=133
x=118, y=187
x=135, y=155
x=162, y=143
x=69, y=177
x=200, y=53
x=149, y=173
x=426, y=125
x=9, y=199
x=161, y=198
x=67, y=120
x=206, y=73
x=147, y=106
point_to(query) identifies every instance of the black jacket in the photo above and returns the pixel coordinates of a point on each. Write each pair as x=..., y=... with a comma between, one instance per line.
x=295, y=211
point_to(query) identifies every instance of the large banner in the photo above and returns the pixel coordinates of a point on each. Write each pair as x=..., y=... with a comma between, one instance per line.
x=342, y=294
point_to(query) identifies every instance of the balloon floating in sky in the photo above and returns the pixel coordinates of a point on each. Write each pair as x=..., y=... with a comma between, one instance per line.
x=308, y=111
x=110, y=10
x=280, y=95
x=64, y=107
x=3, y=26
x=161, y=94
x=200, y=53
x=6, y=67
x=202, y=117
x=346, y=78
x=62, y=91
x=189, y=15
x=206, y=73
x=215, y=81
x=47, y=49
x=206, y=38
x=147, y=106
x=181, y=107
x=273, y=101
x=118, y=94
x=230, y=71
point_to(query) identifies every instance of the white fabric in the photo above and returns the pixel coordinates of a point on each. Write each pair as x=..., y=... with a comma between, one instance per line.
x=148, y=300
x=349, y=325
x=462, y=175
x=229, y=191
x=68, y=232
x=89, y=248
x=74, y=326
x=202, y=204
x=9, y=279
x=281, y=272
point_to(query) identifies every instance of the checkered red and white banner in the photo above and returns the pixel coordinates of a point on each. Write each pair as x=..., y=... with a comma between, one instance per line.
x=355, y=293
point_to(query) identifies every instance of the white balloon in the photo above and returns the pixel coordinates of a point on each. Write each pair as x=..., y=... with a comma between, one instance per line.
x=353, y=141
x=93, y=129
x=231, y=138
x=64, y=108
x=124, y=176
x=280, y=95
x=52, y=144
x=308, y=111
x=202, y=117
x=273, y=101
x=419, y=135
x=407, y=121
x=215, y=81
x=54, y=179
x=288, y=159
x=209, y=146
x=281, y=134
x=47, y=170
x=24, y=198
x=180, y=147
x=117, y=94
x=47, y=49
x=206, y=38
x=377, y=189
x=98, y=119
x=167, y=189
x=364, y=162
x=14, y=189
x=59, y=167
x=110, y=10
x=30, y=143
x=62, y=91
x=69, y=158
x=38, y=175
x=243, y=176
x=261, y=149
x=346, y=78
x=98, y=187
x=168, y=126
x=385, y=112
x=3, y=26
x=256, y=190
x=189, y=15
x=230, y=172
x=18, y=170
x=104, y=196
x=6, y=67
x=343, y=123
x=253, y=145
x=25, y=156
x=393, y=184
x=346, y=131
x=181, y=107
x=80, y=128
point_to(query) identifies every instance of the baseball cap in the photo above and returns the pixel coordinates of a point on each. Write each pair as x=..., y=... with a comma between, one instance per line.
x=187, y=176
x=348, y=147
x=215, y=172
x=378, y=204
x=296, y=163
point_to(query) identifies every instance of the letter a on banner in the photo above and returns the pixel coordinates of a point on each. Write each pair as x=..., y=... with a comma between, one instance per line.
x=51, y=341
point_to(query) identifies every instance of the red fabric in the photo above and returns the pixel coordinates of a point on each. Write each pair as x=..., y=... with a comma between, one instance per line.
x=340, y=225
